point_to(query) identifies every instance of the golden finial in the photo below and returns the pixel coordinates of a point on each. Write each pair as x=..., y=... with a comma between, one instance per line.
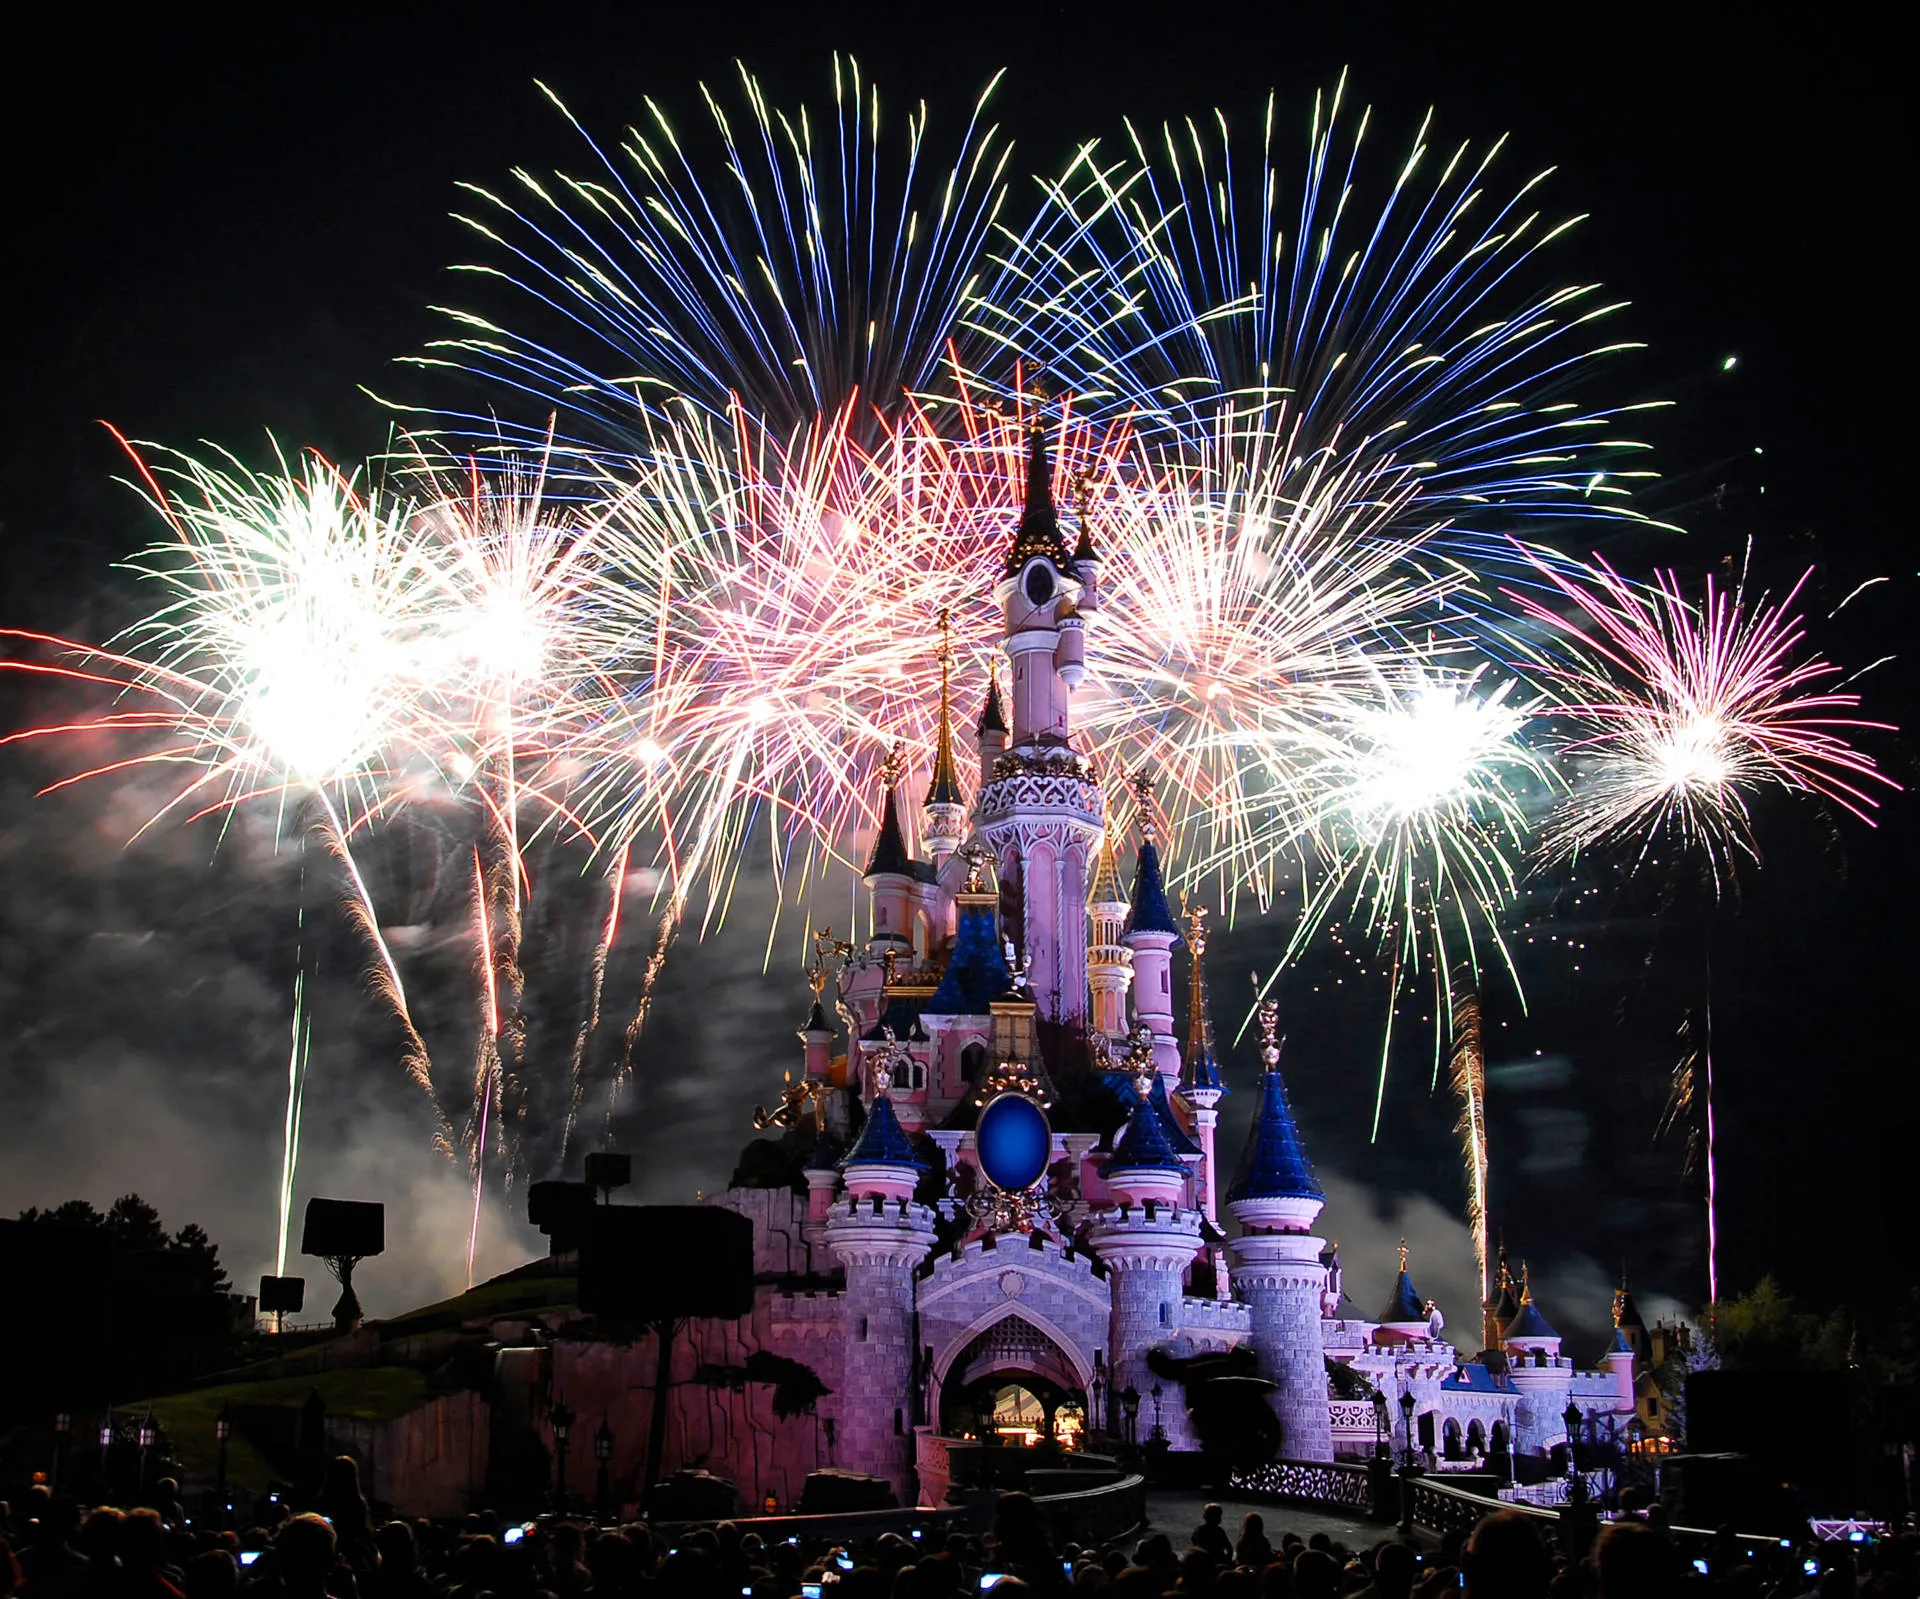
x=976, y=855
x=1270, y=1033
x=1140, y=1061
x=1196, y=926
x=1403, y=1255
x=1140, y=785
x=894, y=767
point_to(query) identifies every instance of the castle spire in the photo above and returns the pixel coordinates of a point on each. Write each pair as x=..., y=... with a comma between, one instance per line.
x=1038, y=531
x=1275, y=1165
x=890, y=853
x=1203, y=1071
x=945, y=787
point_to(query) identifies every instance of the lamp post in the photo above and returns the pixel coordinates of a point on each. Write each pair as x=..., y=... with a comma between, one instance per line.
x=602, y=1456
x=1158, y=1436
x=148, y=1433
x=1571, y=1418
x=1130, y=1406
x=560, y=1418
x=1406, y=1465
x=1100, y=1417
x=222, y=1430
x=62, y=1425
x=1381, y=1425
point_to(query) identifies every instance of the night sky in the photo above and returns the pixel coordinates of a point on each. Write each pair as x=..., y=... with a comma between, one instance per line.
x=226, y=222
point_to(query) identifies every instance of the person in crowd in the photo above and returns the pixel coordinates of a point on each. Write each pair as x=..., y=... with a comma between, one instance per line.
x=1506, y=1559
x=1252, y=1549
x=1211, y=1536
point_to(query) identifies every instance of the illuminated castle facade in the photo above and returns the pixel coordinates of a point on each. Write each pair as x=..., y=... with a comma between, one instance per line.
x=1010, y=1213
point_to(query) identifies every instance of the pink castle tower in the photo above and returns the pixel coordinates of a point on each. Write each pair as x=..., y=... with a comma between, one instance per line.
x=1041, y=810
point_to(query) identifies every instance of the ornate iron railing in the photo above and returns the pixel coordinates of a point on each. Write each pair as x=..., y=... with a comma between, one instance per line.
x=1338, y=1484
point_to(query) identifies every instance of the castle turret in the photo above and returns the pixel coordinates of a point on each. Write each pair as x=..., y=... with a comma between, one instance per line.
x=1153, y=936
x=1617, y=1362
x=1147, y=1243
x=1109, y=962
x=1202, y=1087
x=889, y=874
x=1276, y=1262
x=1042, y=810
x=1537, y=1369
x=880, y=1236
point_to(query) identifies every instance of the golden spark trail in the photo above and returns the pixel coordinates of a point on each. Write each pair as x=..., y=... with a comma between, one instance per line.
x=1470, y=1084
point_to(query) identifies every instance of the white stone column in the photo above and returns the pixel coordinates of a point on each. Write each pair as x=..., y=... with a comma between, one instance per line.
x=880, y=1249
x=1146, y=1258
x=1280, y=1277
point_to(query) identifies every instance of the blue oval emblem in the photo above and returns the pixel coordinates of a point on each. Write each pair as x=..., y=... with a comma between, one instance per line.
x=1013, y=1142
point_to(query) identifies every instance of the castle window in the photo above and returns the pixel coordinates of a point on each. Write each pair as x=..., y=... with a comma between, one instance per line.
x=863, y=1329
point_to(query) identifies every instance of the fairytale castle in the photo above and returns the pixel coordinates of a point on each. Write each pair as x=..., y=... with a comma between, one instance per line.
x=1015, y=1217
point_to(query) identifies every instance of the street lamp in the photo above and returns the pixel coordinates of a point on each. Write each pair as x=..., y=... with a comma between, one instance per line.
x=222, y=1430
x=1130, y=1405
x=1158, y=1435
x=1100, y=1418
x=1571, y=1417
x=560, y=1418
x=1381, y=1425
x=602, y=1454
x=148, y=1433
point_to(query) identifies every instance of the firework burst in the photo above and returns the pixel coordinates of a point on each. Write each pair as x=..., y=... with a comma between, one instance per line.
x=1681, y=714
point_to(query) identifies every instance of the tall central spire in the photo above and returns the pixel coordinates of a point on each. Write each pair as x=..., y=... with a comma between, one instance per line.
x=1038, y=532
x=1203, y=1071
x=945, y=787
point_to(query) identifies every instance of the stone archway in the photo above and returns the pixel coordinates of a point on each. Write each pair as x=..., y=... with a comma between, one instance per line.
x=1005, y=1365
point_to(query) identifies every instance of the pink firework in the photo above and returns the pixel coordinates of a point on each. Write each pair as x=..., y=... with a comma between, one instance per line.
x=1683, y=713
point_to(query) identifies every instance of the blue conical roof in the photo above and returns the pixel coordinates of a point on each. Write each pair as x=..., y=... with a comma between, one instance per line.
x=883, y=1141
x=1529, y=1323
x=1038, y=531
x=1203, y=1071
x=1163, y=1107
x=1405, y=1303
x=976, y=972
x=1150, y=911
x=1274, y=1165
x=1621, y=1344
x=1143, y=1144
x=890, y=852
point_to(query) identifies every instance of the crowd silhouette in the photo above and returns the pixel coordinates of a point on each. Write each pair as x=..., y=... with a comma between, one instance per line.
x=334, y=1548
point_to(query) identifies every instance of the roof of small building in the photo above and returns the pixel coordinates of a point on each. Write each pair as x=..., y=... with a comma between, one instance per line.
x=1274, y=1164
x=1529, y=1323
x=883, y=1141
x=1150, y=912
x=890, y=853
x=1144, y=1144
x=976, y=972
x=1404, y=1303
x=993, y=718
